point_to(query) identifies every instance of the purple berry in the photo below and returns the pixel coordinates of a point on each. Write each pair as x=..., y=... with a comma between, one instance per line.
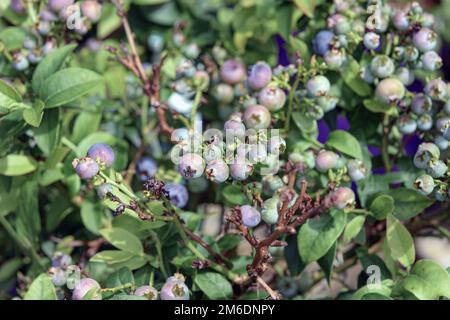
x=174, y=289
x=436, y=89
x=146, y=168
x=260, y=75
x=371, y=40
x=217, y=171
x=390, y=90
x=318, y=86
x=58, y=5
x=424, y=184
x=58, y=276
x=61, y=260
x=322, y=42
x=431, y=61
x=326, y=160
x=257, y=117
x=148, y=292
x=86, y=168
x=102, y=153
x=232, y=71
x=240, y=169
x=425, y=39
x=273, y=98
x=18, y=6
x=85, y=286
x=421, y=104
x=250, y=216
x=178, y=194
x=191, y=166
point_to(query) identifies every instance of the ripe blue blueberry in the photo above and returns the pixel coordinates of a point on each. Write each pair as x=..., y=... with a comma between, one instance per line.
x=424, y=184
x=421, y=104
x=441, y=142
x=191, y=166
x=232, y=71
x=425, y=122
x=155, y=42
x=250, y=216
x=431, y=61
x=382, y=66
x=269, y=211
x=411, y=54
x=318, y=86
x=259, y=76
x=406, y=124
x=390, y=90
x=178, y=194
x=61, y=260
x=58, y=276
x=322, y=42
x=102, y=153
x=217, y=171
x=436, y=168
x=18, y=6
x=437, y=89
x=342, y=198
x=405, y=75
x=240, y=169
x=272, y=97
x=87, y=286
x=148, y=292
x=371, y=40
x=440, y=194
x=366, y=74
x=257, y=117
x=174, y=289
x=34, y=57
x=20, y=62
x=224, y=93
x=357, y=170
x=425, y=39
x=86, y=168
x=234, y=128
x=425, y=153
x=447, y=107
x=146, y=168
x=401, y=20
x=326, y=160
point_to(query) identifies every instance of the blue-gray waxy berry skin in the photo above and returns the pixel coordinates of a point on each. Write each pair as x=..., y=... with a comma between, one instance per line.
x=322, y=42
x=425, y=40
x=87, y=168
x=260, y=75
x=424, y=184
x=436, y=168
x=326, y=160
x=191, y=166
x=250, y=216
x=83, y=287
x=102, y=153
x=104, y=189
x=146, y=168
x=178, y=194
x=217, y=171
x=318, y=86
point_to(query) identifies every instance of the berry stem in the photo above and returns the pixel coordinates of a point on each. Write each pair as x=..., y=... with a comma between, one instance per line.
x=291, y=98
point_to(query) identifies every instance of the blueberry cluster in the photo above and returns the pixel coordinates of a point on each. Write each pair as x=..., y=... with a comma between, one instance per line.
x=51, y=19
x=99, y=156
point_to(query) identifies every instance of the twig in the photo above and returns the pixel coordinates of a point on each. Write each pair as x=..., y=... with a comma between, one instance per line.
x=273, y=294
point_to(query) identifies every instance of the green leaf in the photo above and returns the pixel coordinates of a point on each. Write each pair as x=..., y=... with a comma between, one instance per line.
x=234, y=195
x=148, y=2
x=305, y=123
x=381, y=206
x=9, y=91
x=353, y=228
x=12, y=38
x=124, y=240
x=326, y=262
x=428, y=280
x=400, y=242
x=119, y=278
x=367, y=260
x=48, y=134
x=112, y=256
x=9, y=268
x=408, y=202
x=33, y=116
x=214, y=285
x=28, y=221
x=50, y=65
x=376, y=106
x=346, y=143
x=81, y=130
x=91, y=216
x=306, y=6
x=42, y=288
x=67, y=85
x=17, y=165
x=317, y=236
x=352, y=78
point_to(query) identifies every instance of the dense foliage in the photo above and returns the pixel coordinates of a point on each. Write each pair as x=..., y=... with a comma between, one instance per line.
x=223, y=149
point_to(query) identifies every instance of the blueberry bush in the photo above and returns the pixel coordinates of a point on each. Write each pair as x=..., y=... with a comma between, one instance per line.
x=223, y=149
